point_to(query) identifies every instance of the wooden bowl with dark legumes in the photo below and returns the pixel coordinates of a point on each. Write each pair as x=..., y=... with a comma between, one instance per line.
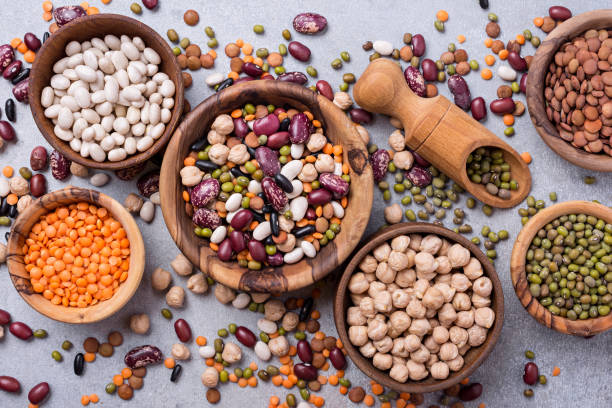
x=121, y=92
x=581, y=136
x=532, y=286
x=288, y=274
x=362, y=295
x=76, y=265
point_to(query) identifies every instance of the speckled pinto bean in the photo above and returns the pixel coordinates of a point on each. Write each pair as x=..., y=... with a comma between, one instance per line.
x=460, y=90
x=64, y=15
x=38, y=393
x=12, y=70
x=299, y=51
x=142, y=356
x=9, y=384
x=205, y=218
x=148, y=184
x=299, y=128
x=274, y=194
x=204, y=192
x=478, y=108
x=183, y=330
x=245, y=336
x=266, y=126
x=335, y=184
x=502, y=106
x=268, y=160
x=7, y=55
x=415, y=80
x=295, y=77
x=379, y=161
x=309, y=23
x=419, y=176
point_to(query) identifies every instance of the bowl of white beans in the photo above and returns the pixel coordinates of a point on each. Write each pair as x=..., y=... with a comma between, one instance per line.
x=106, y=91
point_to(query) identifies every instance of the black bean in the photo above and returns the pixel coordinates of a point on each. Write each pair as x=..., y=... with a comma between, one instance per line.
x=199, y=145
x=284, y=125
x=176, y=372
x=306, y=309
x=274, y=223
x=303, y=231
x=45, y=36
x=21, y=76
x=6, y=235
x=269, y=240
x=251, y=151
x=4, y=208
x=206, y=165
x=228, y=82
x=484, y=4
x=9, y=109
x=267, y=208
x=283, y=182
x=259, y=217
x=79, y=363
x=236, y=172
x=12, y=211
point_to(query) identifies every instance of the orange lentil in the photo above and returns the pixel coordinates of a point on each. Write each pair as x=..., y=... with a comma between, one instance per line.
x=482, y=405
x=461, y=38
x=377, y=389
x=106, y=1
x=401, y=403
x=442, y=15
x=253, y=366
x=7, y=171
x=526, y=157
x=293, y=378
x=84, y=4
x=489, y=60
x=488, y=42
x=214, y=246
x=486, y=74
x=503, y=54
x=328, y=148
x=47, y=16
x=318, y=401
x=322, y=379
x=15, y=42
x=258, y=61
x=242, y=382
x=326, y=365
x=94, y=397
x=277, y=380
x=410, y=406
x=201, y=341
x=287, y=383
x=316, y=123
x=538, y=21
x=118, y=379
x=344, y=202
x=236, y=113
x=233, y=378
x=520, y=38
x=84, y=400
x=248, y=58
x=465, y=381
x=92, y=10
x=53, y=27
x=556, y=371
x=247, y=49
x=249, y=117
x=126, y=373
x=345, y=168
x=309, y=115
x=368, y=400
x=508, y=119
x=252, y=381
x=292, y=350
x=343, y=390
x=309, y=159
x=385, y=405
x=213, y=54
x=405, y=396
x=333, y=380
x=47, y=5
x=325, y=353
x=234, y=75
x=189, y=161
x=89, y=357
x=186, y=196
x=274, y=400
x=22, y=48
x=169, y=362
x=12, y=199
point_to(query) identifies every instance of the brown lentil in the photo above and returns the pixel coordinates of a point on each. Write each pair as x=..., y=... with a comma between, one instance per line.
x=236, y=64
x=313, y=326
x=318, y=360
x=193, y=63
x=460, y=55
x=115, y=339
x=314, y=386
x=416, y=398
x=356, y=394
x=406, y=53
x=106, y=350
x=519, y=108
x=492, y=29
x=191, y=17
x=504, y=91
x=462, y=68
x=207, y=61
x=329, y=342
x=213, y=395
x=140, y=372
x=193, y=50
x=182, y=61
x=317, y=345
x=549, y=24
x=232, y=50
x=135, y=382
x=497, y=46
x=187, y=79
x=125, y=392
x=91, y=345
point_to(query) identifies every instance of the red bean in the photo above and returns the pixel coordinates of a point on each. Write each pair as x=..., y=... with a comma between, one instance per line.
x=183, y=330
x=320, y=196
x=38, y=185
x=531, y=373
x=150, y=4
x=241, y=219
x=523, y=83
x=6, y=131
x=225, y=250
x=304, y=351
x=21, y=330
x=38, y=393
x=252, y=70
x=257, y=250
x=245, y=336
x=325, y=89
x=360, y=116
x=32, y=41
x=559, y=13
x=277, y=140
x=299, y=51
x=38, y=158
x=5, y=317
x=470, y=392
x=430, y=70
x=9, y=384
x=502, y=106
x=276, y=259
x=337, y=358
x=12, y=69
x=266, y=125
x=305, y=372
x=237, y=240
x=418, y=45
x=478, y=108
x=517, y=62
x=241, y=129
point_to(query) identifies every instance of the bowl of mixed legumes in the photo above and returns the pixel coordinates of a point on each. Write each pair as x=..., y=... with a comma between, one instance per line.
x=76, y=255
x=561, y=267
x=419, y=308
x=266, y=186
x=568, y=90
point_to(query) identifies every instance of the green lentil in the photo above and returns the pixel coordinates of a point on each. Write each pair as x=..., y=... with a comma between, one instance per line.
x=589, y=180
x=552, y=196
x=184, y=42
x=110, y=388
x=263, y=375
x=349, y=78
x=5, y=221
x=474, y=65
x=56, y=355
x=300, y=335
x=410, y=215
x=423, y=215
x=439, y=25
x=222, y=333
x=509, y=131
x=210, y=33
x=66, y=345
x=286, y=34
x=258, y=29
x=374, y=56
x=336, y=63
x=344, y=382
x=212, y=43
x=305, y=394
x=166, y=313
x=516, y=88
x=492, y=17
x=136, y=9
x=247, y=373
x=535, y=41
x=406, y=200
x=475, y=240
x=218, y=345
x=527, y=34
x=528, y=393
x=272, y=370
x=470, y=203
x=172, y=35
x=40, y=333
x=232, y=328
x=441, y=76
x=386, y=195
x=176, y=51
x=291, y=401
x=346, y=57
x=450, y=70
x=279, y=70
x=343, y=87
x=282, y=49
x=451, y=47
x=262, y=52
x=310, y=70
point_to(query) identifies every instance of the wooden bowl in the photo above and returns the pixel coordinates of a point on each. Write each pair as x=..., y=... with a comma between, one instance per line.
x=83, y=29
x=473, y=358
x=583, y=328
x=339, y=129
x=21, y=278
x=596, y=19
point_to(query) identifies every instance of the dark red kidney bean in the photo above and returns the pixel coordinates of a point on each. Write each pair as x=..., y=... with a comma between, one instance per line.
x=419, y=176
x=275, y=195
x=32, y=41
x=531, y=373
x=150, y=4
x=276, y=259
x=9, y=384
x=7, y=55
x=241, y=129
x=183, y=330
x=470, y=392
x=295, y=77
x=252, y=70
x=277, y=140
x=502, y=106
x=241, y=219
x=559, y=13
x=311, y=214
x=419, y=160
x=523, y=83
x=225, y=250
x=379, y=161
x=266, y=126
x=304, y=351
x=478, y=108
x=79, y=363
x=20, y=91
x=309, y=23
x=460, y=90
x=320, y=196
x=268, y=160
x=257, y=250
x=337, y=358
x=21, y=330
x=205, y=218
x=430, y=70
x=335, y=184
x=38, y=393
x=517, y=62
x=305, y=372
x=38, y=185
x=6, y=131
x=12, y=69
x=418, y=45
x=64, y=15
x=415, y=80
x=299, y=128
x=5, y=317
x=360, y=116
x=245, y=336
x=299, y=51
x=142, y=356
x=325, y=89
x=204, y=192
x=237, y=240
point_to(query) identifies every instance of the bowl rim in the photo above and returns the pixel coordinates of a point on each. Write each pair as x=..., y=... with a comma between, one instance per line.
x=595, y=19
x=541, y=314
x=342, y=297
x=101, y=310
x=270, y=279
x=129, y=26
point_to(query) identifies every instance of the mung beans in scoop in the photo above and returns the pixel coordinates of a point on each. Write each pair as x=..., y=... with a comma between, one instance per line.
x=487, y=166
x=266, y=186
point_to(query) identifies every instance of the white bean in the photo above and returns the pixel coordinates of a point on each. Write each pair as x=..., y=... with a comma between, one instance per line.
x=111, y=89
x=214, y=79
x=262, y=351
x=75, y=144
x=130, y=145
x=254, y=187
x=119, y=138
x=294, y=256
x=168, y=103
x=266, y=326
x=106, y=65
x=71, y=74
x=65, y=118
x=112, y=41
x=69, y=102
x=297, y=150
x=298, y=187
x=298, y=207
x=99, y=44
x=166, y=115
x=46, y=97
x=167, y=88
x=107, y=143
x=154, y=114
x=61, y=65
x=338, y=210
x=52, y=111
x=133, y=115
x=130, y=51
x=63, y=134
x=147, y=212
x=85, y=150
x=82, y=97
x=73, y=47
x=241, y=301
x=218, y=235
x=206, y=351
x=309, y=249
x=86, y=73
x=144, y=143
x=117, y=155
x=59, y=81
x=152, y=56
x=262, y=231
x=90, y=59
x=157, y=131
x=122, y=77
x=233, y=202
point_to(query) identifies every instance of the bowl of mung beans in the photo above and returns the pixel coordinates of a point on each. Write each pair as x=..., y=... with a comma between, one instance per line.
x=76, y=255
x=561, y=267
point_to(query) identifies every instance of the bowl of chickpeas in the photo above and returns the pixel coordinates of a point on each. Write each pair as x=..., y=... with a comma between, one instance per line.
x=76, y=255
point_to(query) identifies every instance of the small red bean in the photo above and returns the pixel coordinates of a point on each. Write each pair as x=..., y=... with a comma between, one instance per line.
x=502, y=106
x=304, y=351
x=531, y=373
x=478, y=108
x=337, y=358
x=319, y=197
x=38, y=393
x=470, y=392
x=430, y=70
x=225, y=250
x=32, y=41
x=359, y=115
x=241, y=219
x=245, y=336
x=21, y=330
x=305, y=372
x=517, y=62
x=523, y=83
x=183, y=330
x=38, y=185
x=418, y=45
x=7, y=132
x=299, y=51
x=257, y=250
x=559, y=13
x=5, y=317
x=9, y=384
x=325, y=89
x=237, y=241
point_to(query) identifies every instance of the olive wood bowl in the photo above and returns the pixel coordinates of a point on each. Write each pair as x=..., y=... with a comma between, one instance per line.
x=21, y=278
x=583, y=328
x=338, y=128
x=473, y=358
x=596, y=19
x=85, y=28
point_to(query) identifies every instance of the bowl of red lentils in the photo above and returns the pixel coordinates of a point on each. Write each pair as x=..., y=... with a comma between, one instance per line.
x=266, y=186
x=76, y=255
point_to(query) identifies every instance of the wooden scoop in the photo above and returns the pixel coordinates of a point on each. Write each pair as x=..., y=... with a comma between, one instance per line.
x=437, y=129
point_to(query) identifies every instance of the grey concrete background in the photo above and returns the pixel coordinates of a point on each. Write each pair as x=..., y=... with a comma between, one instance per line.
x=585, y=364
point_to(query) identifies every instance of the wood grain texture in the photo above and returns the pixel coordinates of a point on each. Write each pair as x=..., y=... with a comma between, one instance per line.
x=596, y=19
x=85, y=28
x=583, y=328
x=473, y=358
x=21, y=278
x=437, y=129
x=338, y=128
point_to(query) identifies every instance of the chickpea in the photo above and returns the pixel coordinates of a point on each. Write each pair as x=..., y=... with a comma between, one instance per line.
x=412, y=342
x=353, y=317
x=444, y=248
x=400, y=298
x=433, y=299
x=180, y=351
x=316, y=142
x=448, y=351
x=456, y=364
x=420, y=327
x=356, y=298
x=460, y=282
x=218, y=154
x=191, y=175
x=398, y=261
x=377, y=329
x=405, y=278
x=431, y=244
x=400, y=320
x=440, y=334
x=161, y=279
x=415, y=242
x=238, y=154
x=287, y=225
x=392, y=287
x=477, y=335
x=483, y=286
x=260, y=297
x=376, y=287
x=397, y=141
x=465, y=319
x=342, y=100
x=232, y=353
x=213, y=137
x=447, y=292
x=403, y=160
x=358, y=283
x=425, y=263
x=417, y=371
x=479, y=301
x=431, y=344
x=444, y=265
x=175, y=297
x=274, y=310
x=139, y=323
x=324, y=163
x=223, y=124
x=420, y=287
x=464, y=349
x=430, y=314
x=370, y=277
x=382, y=361
x=458, y=255
x=415, y=309
x=224, y=294
x=366, y=306
x=439, y=370
x=382, y=302
x=399, y=372
x=473, y=270
x=433, y=359
x=368, y=264
x=399, y=348
x=461, y=301
x=443, y=279
x=484, y=317
x=385, y=273
x=197, y=283
x=458, y=336
x=308, y=173
x=358, y=335
x=19, y=186
x=447, y=315
x=367, y=350
x=210, y=377
x=382, y=252
x=400, y=243
x=279, y=346
x=383, y=345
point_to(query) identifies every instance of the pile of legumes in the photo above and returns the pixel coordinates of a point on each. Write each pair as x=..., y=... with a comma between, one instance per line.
x=569, y=266
x=77, y=255
x=108, y=99
x=487, y=166
x=265, y=186
x=419, y=304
